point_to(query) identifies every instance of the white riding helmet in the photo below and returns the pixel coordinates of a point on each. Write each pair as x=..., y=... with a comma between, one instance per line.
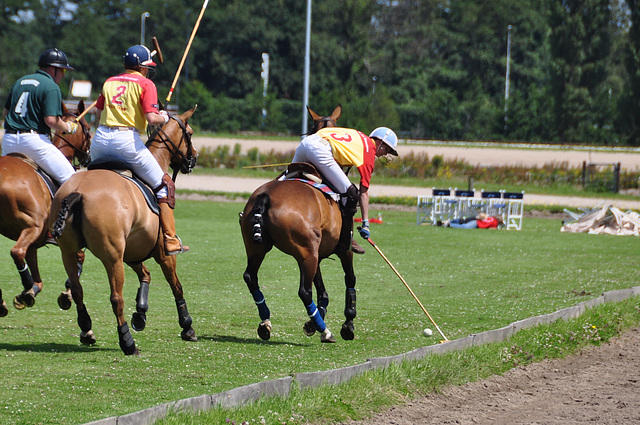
x=388, y=137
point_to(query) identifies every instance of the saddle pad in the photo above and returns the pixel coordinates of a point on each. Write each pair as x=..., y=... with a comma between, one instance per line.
x=321, y=187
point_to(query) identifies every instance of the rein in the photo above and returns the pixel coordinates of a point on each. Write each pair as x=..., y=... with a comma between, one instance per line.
x=77, y=152
x=187, y=162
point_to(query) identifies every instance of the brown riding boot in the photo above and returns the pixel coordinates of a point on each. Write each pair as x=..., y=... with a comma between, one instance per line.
x=172, y=243
x=356, y=248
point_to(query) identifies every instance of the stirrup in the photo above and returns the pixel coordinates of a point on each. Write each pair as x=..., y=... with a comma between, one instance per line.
x=182, y=248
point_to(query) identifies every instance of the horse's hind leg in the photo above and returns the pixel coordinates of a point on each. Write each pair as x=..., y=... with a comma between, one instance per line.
x=21, y=251
x=65, y=299
x=139, y=318
x=347, y=331
x=115, y=272
x=168, y=265
x=250, y=276
x=323, y=302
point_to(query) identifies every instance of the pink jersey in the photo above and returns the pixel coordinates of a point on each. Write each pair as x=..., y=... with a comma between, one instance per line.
x=125, y=99
x=352, y=148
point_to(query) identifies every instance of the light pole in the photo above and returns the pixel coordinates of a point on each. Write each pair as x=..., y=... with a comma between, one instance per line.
x=143, y=17
x=307, y=53
x=506, y=83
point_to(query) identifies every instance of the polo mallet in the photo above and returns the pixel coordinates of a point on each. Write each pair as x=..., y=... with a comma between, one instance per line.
x=407, y=286
x=87, y=109
x=157, y=50
x=186, y=50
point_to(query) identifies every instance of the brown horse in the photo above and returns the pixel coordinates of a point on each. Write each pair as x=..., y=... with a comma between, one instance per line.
x=108, y=214
x=25, y=202
x=302, y=222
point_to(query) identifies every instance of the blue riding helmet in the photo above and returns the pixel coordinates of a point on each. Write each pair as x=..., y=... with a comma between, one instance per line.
x=137, y=56
x=388, y=137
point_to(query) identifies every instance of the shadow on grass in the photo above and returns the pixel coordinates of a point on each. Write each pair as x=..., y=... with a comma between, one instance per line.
x=53, y=348
x=254, y=341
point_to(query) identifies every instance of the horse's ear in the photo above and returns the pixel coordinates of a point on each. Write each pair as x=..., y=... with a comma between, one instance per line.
x=315, y=117
x=160, y=105
x=187, y=114
x=80, y=107
x=336, y=113
x=65, y=111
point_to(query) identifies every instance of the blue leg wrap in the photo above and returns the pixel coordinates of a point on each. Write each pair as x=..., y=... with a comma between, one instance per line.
x=315, y=317
x=263, y=310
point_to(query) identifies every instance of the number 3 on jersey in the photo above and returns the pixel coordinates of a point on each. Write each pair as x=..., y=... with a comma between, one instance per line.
x=116, y=98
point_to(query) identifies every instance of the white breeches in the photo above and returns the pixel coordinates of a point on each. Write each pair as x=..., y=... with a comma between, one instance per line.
x=317, y=151
x=127, y=146
x=39, y=148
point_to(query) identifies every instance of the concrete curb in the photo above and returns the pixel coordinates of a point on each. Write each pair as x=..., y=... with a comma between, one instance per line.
x=282, y=387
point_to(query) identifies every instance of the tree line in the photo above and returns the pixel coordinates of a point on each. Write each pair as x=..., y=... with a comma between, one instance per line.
x=430, y=69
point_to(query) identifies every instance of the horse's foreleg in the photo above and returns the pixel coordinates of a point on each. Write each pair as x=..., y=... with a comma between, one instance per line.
x=168, y=265
x=84, y=320
x=347, y=331
x=24, y=256
x=308, y=270
x=250, y=277
x=139, y=318
x=323, y=302
x=115, y=273
x=65, y=299
x=3, y=306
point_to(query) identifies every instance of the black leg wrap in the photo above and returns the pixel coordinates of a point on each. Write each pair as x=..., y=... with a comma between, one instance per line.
x=84, y=320
x=350, y=304
x=127, y=344
x=183, y=315
x=25, y=276
x=142, y=297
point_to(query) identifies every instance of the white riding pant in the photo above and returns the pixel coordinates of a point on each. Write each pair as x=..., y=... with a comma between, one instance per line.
x=317, y=151
x=39, y=148
x=114, y=143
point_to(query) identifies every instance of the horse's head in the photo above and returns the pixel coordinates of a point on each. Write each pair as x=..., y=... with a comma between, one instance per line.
x=323, y=122
x=175, y=136
x=75, y=145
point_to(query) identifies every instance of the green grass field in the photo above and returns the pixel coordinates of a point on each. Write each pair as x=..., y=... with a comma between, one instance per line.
x=469, y=281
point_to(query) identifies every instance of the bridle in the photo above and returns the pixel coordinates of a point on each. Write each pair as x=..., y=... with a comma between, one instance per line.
x=185, y=162
x=81, y=154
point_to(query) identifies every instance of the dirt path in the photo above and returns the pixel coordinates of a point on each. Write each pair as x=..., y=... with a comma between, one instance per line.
x=599, y=385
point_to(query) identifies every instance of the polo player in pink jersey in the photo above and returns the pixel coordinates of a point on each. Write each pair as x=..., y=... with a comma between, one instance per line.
x=332, y=148
x=127, y=103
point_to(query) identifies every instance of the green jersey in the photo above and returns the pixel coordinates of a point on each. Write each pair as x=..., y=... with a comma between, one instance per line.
x=32, y=98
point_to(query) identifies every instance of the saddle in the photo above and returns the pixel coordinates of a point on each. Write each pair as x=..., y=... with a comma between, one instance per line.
x=52, y=185
x=124, y=170
x=307, y=173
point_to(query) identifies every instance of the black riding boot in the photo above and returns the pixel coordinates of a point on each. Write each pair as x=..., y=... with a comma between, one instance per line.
x=349, y=206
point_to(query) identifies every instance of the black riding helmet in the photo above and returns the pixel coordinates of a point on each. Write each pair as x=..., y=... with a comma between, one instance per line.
x=54, y=57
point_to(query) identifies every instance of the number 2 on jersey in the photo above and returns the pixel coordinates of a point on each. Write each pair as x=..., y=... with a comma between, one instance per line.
x=116, y=98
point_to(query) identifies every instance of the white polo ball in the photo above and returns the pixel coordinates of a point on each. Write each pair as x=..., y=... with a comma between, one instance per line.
x=427, y=332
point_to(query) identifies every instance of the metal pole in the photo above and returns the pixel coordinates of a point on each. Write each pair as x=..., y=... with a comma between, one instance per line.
x=307, y=53
x=506, y=84
x=143, y=17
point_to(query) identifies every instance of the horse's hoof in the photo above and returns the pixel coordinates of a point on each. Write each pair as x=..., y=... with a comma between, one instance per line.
x=24, y=299
x=65, y=300
x=264, y=330
x=3, y=309
x=309, y=328
x=135, y=352
x=87, y=338
x=139, y=321
x=189, y=335
x=327, y=336
x=347, y=331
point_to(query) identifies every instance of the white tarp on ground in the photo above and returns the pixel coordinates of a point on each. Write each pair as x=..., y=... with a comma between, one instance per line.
x=606, y=220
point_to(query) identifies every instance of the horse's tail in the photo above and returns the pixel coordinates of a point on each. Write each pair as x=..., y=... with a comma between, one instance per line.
x=66, y=208
x=257, y=216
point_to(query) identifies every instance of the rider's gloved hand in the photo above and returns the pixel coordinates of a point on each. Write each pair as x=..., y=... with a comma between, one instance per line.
x=72, y=127
x=364, y=230
x=165, y=116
